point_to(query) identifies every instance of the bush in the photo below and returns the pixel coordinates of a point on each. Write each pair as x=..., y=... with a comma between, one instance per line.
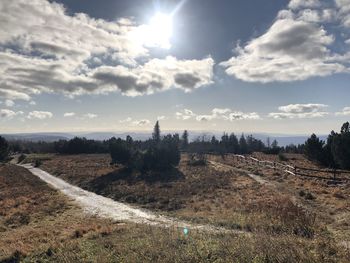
x=282, y=157
x=120, y=152
x=38, y=163
x=197, y=160
x=21, y=158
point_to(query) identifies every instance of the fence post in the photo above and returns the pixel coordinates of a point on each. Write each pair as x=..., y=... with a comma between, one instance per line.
x=334, y=173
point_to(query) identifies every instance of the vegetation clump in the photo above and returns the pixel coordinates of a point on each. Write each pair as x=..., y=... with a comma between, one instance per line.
x=160, y=153
x=334, y=153
x=4, y=149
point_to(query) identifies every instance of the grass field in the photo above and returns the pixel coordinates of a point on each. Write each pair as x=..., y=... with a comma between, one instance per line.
x=38, y=223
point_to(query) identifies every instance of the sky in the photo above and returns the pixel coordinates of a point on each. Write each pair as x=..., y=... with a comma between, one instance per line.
x=275, y=66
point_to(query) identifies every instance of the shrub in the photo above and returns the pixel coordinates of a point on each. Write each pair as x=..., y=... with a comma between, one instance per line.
x=21, y=158
x=282, y=157
x=38, y=163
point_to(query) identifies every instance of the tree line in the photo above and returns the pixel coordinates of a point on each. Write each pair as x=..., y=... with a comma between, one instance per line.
x=161, y=152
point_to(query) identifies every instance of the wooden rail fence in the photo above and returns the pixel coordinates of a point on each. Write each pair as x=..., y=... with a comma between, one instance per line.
x=323, y=174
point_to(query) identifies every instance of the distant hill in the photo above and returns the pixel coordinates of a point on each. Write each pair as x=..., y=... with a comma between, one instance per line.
x=282, y=140
x=36, y=137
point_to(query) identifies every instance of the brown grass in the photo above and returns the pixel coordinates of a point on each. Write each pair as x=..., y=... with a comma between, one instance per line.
x=57, y=231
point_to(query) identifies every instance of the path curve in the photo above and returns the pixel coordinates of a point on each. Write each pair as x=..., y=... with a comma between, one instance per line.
x=98, y=205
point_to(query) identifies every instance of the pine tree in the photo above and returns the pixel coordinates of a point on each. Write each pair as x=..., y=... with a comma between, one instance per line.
x=243, y=145
x=185, y=139
x=4, y=149
x=156, y=133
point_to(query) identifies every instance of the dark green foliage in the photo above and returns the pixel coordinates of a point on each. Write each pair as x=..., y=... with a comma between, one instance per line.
x=4, y=149
x=243, y=146
x=340, y=147
x=37, y=163
x=335, y=153
x=80, y=145
x=120, y=151
x=184, y=139
x=282, y=157
x=158, y=154
x=314, y=148
x=156, y=133
x=162, y=156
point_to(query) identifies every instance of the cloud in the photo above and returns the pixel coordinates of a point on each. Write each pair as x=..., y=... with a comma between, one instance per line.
x=217, y=114
x=161, y=118
x=9, y=114
x=244, y=116
x=40, y=115
x=184, y=114
x=69, y=114
x=129, y=119
x=295, y=47
x=143, y=122
x=300, y=111
x=45, y=50
x=156, y=75
x=90, y=116
x=296, y=4
x=344, y=12
x=9, y=103
x=344, y=112
x=290, y=50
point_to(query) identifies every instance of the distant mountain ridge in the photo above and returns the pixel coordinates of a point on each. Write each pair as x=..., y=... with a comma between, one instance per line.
x=282, y=140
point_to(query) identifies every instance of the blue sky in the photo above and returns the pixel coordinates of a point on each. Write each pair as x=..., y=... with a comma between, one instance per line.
x=241, y=66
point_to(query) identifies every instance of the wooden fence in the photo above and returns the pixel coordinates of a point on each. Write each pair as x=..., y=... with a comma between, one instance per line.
x=323, y=174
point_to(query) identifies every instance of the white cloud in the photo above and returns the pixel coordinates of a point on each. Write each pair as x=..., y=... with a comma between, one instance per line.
x=290, y=50
x=128, y=119
x=344, y=112
x=69, y=114
x=41, y=115
x=9, y=114
x=32, y=102
x=344, y=12
x=217, y=114
x=43, y=49
x=143, y=122
x=300, y=111
x=185, y=114
x=9, y=103
x=156, y=75
x=161, y=118
x=237, y=115
x=90, y=116
x=297, y=46
x=296, y=4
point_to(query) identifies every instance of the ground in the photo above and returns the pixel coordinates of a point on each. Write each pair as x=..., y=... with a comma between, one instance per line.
x=279, y=224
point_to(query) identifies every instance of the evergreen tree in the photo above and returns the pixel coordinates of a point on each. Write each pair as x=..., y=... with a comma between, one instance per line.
x=156, y=133
x=233, y=143
x=4, y=149
x=313, y=148
x=341, y=147
x=243, y=147
x=184, y=138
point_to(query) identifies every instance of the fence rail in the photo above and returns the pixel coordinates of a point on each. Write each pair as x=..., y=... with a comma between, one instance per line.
x=334, y=175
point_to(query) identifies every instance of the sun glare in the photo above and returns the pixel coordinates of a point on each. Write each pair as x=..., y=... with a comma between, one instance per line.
x=157, y=33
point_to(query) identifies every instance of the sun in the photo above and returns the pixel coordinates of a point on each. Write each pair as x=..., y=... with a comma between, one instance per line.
x=157, y=33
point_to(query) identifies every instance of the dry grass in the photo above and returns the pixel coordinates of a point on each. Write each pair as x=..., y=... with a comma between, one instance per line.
x=284, y=226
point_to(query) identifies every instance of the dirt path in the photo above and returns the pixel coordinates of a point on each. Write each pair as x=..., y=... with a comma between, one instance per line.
x=257, y=178
x=105, y=207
